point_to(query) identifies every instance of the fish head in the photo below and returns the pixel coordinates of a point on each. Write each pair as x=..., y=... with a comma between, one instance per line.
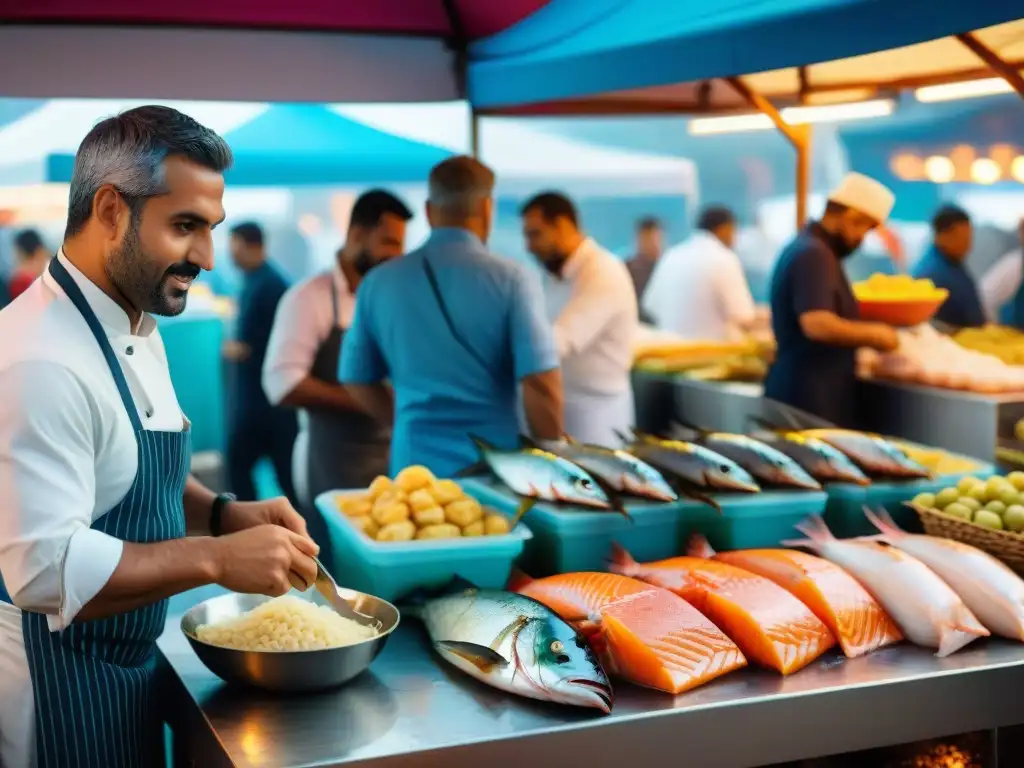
x=725, y=474
x=558, y=660
x=644, y=480
x=572, y=484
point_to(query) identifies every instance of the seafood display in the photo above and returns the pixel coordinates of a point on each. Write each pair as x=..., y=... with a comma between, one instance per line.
x=823, y=462
x=644, y=634
x=513, y=643
x=416, y=505
x=843, y=605
x=693, y=464
x=925, y=608
x=771, y=627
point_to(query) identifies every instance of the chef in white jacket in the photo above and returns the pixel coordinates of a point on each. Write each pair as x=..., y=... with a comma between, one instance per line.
x=592, y=306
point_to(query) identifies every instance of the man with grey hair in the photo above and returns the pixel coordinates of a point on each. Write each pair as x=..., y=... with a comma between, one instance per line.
x=455, y=330
x=96, y=499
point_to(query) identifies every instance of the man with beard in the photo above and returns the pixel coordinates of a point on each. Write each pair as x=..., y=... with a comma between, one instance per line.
x=100, y=520
x=591, y=303
x=339, y=445
x=814, y=313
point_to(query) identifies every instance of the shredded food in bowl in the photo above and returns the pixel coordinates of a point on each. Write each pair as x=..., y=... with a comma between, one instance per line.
x=285, y=623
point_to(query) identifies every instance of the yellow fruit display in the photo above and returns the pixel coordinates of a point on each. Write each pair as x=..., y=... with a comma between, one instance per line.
x=1005, y=343
x=418, y=506
x=881, y=287
x=938, y=461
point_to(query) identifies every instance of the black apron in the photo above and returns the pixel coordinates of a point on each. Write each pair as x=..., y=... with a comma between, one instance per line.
x=347, y=449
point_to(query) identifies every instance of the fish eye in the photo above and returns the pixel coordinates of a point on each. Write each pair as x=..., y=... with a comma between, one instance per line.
x=585, y=484
x=724, y=467
x=557, y=646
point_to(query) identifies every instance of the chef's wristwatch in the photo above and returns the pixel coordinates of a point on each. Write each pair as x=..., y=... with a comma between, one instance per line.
x=217, y=510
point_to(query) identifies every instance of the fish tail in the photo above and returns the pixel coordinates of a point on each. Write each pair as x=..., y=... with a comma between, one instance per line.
x=698, y=546
x=883, y=521
x=621, y=562
x=816, y=531
x=961, y=630
x=517, y=579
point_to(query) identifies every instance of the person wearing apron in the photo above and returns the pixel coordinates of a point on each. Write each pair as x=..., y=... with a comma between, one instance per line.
x=592, y=307
x=815, y=316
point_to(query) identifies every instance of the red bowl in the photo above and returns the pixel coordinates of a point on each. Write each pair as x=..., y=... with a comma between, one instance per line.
x=903, y=313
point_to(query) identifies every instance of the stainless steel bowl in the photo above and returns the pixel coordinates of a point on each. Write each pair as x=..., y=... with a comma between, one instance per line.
x=291, y=671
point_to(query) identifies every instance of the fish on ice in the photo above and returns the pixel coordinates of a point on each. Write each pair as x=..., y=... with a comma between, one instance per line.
x=843, y=605
x=926, y=609
x=822, y=461
x=515, y=644
x=771, y=627
x=765, y=463
x=693, y=464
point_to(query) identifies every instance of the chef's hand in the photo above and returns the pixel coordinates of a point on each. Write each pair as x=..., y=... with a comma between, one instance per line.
x=884, y=338
x=242, y=515
x=265, y=560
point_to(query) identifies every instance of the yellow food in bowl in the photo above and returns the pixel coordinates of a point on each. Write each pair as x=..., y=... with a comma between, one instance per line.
x=285, y=623
x=881, y=287
x=418, y=506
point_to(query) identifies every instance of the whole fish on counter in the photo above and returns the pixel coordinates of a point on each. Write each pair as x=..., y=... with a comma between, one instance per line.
x=927, y=611
x=872, y=453
x=993, y=592
x=835, y=597
x=643, y=634
x=514, y=644
x=693, y=464
x=823, y=462
x=620, y=470
x=770, y=626
x=765, y=463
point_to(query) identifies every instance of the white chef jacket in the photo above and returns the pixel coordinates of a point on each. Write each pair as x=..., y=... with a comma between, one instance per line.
x=68, y=455
x=302, y=323
x=1001, y=283
x=594, y=313
x=699, y=291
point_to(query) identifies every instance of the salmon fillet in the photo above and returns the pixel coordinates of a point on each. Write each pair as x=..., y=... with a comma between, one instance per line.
x=643, y=634
x=771, y=627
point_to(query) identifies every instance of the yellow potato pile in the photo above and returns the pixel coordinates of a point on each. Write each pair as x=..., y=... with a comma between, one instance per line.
x=416, y=505
x=881, y=287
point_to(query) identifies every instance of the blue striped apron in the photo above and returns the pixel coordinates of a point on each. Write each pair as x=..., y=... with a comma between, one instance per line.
x=94, y=682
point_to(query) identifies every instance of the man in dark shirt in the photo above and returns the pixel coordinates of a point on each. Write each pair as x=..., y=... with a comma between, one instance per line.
x=256, y=428
x=649, y=245
x=943, y=264
x=814, y=314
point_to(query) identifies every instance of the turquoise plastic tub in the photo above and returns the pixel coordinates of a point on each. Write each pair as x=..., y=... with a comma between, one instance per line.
x=391, y=570
x=751, y=521
x=844, y=513
x=571, y=540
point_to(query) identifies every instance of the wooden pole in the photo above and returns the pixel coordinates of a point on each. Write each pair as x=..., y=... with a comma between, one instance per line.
x=994, y=61
x=797, y=135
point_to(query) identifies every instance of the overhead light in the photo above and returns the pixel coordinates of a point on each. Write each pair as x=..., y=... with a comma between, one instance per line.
x=969, y=89
x=939, y=169
x=907, y=167
x=1017, y=168
x=985, y=170
x=833, y=113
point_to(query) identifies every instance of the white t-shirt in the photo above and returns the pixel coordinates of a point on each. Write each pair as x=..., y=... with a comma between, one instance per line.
x=699, y=291
x=1001, y=283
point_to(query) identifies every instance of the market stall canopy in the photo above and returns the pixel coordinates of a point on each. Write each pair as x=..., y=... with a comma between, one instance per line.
x=301, y=50
x=620, y=56
x=291, y=145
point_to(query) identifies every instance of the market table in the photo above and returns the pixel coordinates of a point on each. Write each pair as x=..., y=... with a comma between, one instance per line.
x=411, y=709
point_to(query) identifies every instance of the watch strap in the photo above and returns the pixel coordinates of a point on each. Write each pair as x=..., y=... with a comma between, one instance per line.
x=217, y=511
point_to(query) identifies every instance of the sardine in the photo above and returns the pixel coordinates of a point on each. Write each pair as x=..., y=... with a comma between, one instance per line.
x=927, y=611
x=872, y=453
x=764, y=462
x=515, y=644
x=620, y=470
x=991, y=590
x=693, y=464
x=825, y=463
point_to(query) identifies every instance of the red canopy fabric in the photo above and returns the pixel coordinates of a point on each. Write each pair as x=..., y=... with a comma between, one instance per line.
x=479, y=18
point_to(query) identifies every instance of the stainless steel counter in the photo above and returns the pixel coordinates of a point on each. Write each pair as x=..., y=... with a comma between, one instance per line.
x=411, y=709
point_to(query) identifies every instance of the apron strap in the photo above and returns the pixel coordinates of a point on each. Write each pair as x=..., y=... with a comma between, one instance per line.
x=70, y=287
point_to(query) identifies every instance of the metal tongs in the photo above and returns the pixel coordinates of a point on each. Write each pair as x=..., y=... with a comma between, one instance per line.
x=329, y=590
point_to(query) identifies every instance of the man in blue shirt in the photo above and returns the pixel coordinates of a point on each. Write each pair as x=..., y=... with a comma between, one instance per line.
x=943, y=264
x=456, y=331
x=256, y=429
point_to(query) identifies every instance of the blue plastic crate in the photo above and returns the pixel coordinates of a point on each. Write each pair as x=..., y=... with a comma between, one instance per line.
x=756, y=520
x=571, y=540
x=844, y=513
x=392, y=569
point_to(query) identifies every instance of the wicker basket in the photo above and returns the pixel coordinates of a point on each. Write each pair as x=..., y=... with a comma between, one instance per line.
x=1004, y=545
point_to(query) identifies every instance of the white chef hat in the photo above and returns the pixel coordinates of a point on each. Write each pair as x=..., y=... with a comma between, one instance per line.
x=865, y=195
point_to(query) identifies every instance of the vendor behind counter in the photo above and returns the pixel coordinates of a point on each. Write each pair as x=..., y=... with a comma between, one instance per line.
x=944, y=263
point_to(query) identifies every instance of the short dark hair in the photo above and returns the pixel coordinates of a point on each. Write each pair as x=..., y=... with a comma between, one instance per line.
x=372, y=205
x=715, y=216
x=128, y=151
x=551, y=206
x=647, y=223
x=249, y=232
x=28, y=241
x=458, y=184
x=947, y=217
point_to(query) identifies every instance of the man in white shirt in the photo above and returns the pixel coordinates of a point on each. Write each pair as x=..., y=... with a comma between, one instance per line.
x=1002, y=283
x=698, y=289
x=592, y=305
x=339, y=445
x=96, y=499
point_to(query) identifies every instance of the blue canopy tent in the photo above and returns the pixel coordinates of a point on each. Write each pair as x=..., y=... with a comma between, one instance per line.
x=309, y=145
